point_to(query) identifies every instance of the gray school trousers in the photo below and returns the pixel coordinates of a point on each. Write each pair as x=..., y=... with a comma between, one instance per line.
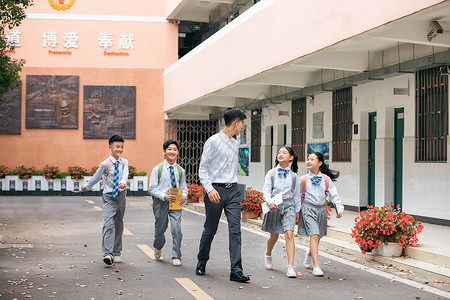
x=162, y=215
x=229, y=202
x=113, y=212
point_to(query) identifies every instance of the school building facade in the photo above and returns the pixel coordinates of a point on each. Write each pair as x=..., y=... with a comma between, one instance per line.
x=364, y=82
x=93, y=69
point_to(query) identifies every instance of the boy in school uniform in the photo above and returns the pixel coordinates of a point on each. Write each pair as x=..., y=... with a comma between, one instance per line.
x=218, y=174
x=115, y=171
x=165, y=176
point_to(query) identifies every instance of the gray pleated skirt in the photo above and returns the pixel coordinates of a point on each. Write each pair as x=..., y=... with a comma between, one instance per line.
x=281, y=219
x=313, y=220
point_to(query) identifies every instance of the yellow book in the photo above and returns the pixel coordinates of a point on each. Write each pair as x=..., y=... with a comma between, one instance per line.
x=176, y=205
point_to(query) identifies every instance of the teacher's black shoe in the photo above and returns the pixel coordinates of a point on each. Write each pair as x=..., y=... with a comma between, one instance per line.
x=200, y=270
x=239, y=277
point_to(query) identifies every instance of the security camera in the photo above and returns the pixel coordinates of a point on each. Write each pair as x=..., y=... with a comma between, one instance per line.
x=436, y=27
x=445, y=70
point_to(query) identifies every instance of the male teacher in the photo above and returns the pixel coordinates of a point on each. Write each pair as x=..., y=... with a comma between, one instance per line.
x=218, y=174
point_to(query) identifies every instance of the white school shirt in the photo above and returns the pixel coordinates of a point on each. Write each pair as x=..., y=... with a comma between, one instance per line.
x=281, y=184
x=123, y=174
x=219, y=161
x=161, y=189
x=315, y=193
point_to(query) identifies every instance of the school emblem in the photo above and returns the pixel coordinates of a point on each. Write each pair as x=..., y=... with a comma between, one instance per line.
x=61, y=4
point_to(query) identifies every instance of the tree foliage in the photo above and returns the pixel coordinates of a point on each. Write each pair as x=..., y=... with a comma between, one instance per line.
x=12, y=12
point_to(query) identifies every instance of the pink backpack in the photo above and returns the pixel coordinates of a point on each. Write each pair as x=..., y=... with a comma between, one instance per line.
x=305, y=177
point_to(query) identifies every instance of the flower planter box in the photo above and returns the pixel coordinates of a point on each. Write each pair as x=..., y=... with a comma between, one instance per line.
x=86, y=179
x=191, y=200
x=73, y=184
x=12, y=183
x=2, y=184
x=139, y=183
x=252, y=215
x=389, y=250
x=38, y=183
x=54, y=184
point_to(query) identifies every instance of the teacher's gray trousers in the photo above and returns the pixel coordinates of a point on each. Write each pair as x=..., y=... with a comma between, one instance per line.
x=229, y=202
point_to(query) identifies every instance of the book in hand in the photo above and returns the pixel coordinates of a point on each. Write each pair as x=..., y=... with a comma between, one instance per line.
x=178, y=193
x=277, y=199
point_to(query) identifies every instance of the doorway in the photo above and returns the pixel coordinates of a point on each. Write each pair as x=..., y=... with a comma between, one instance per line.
x=399, y=127
x=371, y=158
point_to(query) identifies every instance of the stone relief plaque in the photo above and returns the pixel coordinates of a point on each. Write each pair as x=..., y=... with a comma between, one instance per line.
x=109, y=110
x=52, y=101
x=10, y=111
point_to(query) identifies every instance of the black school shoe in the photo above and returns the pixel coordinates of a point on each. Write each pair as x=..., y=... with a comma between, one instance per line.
x=239, y=277
x=200, y=270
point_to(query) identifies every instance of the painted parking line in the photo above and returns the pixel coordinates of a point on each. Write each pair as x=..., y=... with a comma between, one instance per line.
x=193, y=289
x=98, y=208
x=90, y=201
x=127, y=232
x=149, y=251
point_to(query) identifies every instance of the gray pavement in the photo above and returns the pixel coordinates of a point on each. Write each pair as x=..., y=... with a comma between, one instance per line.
x=51, y=248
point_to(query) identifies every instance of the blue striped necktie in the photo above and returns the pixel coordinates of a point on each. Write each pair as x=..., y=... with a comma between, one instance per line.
x=172, y=177
x=115, y=190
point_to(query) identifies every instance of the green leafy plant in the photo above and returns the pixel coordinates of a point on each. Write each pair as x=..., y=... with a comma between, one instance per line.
x=50, y=172
x=76, y=172
x=383, y=225
x=11, y=172
x=143, y=173
x=12, y=13
x=24, y=173
x=61, y=175
x=253, y=201
x=38, y=173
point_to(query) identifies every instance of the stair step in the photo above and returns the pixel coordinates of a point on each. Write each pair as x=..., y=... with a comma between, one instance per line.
x=437, y=272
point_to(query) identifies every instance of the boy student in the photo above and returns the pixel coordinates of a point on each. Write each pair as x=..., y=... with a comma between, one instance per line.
x=165, y=176
x=218, y=174
x=115, y=171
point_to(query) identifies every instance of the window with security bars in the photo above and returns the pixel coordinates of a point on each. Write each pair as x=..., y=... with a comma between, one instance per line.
x=342, y=125
x=192, y=135
x=431, y=116
x=255, y=144
x=299, y=127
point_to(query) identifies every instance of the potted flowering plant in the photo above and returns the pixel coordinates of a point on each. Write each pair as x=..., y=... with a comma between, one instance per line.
x=88, y=175
x=251, y=206
x=75, y=177
x=195, y=193
x=379, y=227
x=3, y=172
x=24, y=174
x=38, y=181
x=11, y=181
x=140, y=181
x=51, y=173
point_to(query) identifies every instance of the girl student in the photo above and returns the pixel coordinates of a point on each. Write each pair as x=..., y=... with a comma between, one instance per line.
x=313, y=211
x=281, y=218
